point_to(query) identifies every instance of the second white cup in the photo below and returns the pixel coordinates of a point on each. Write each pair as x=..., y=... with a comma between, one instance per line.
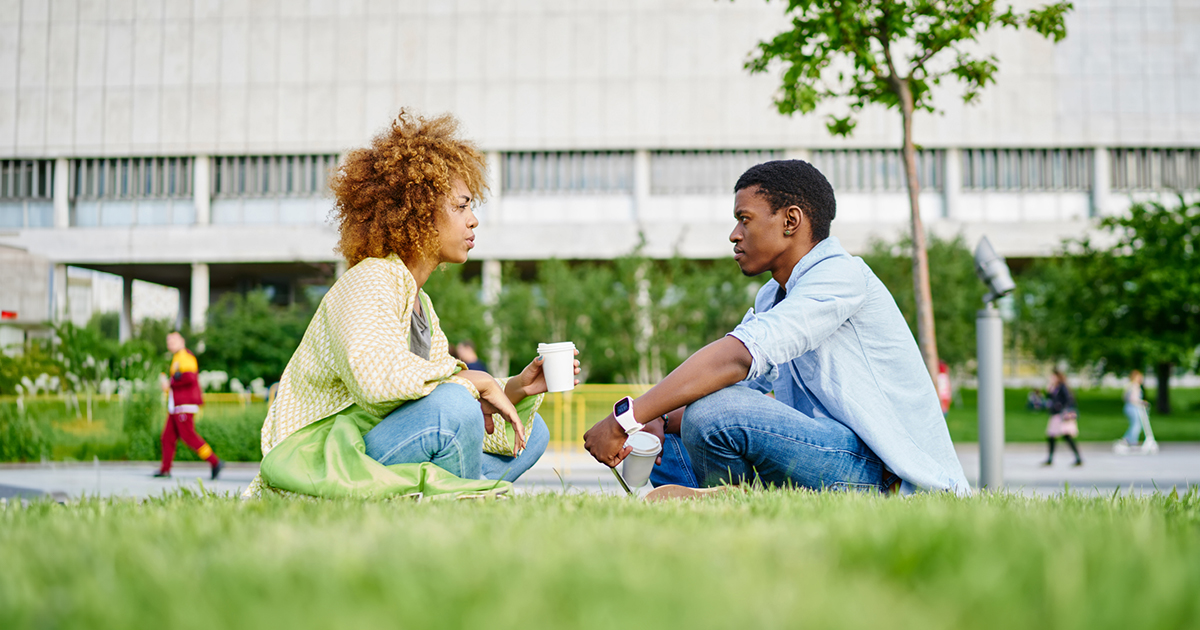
x=639, y=464
x=559, y=365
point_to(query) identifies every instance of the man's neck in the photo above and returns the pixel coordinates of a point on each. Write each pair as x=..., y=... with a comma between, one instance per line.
x=781, y=271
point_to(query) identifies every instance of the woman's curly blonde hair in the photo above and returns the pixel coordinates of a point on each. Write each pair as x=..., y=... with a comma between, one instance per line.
x=388, y=194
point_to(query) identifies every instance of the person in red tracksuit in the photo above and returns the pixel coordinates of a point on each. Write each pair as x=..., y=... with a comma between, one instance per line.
x=183, y=401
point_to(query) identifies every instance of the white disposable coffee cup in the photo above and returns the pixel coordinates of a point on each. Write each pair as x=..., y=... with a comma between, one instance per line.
x=558, y=365
x=640, y=462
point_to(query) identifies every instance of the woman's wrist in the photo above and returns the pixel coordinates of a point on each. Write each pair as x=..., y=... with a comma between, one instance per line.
x=515, y=390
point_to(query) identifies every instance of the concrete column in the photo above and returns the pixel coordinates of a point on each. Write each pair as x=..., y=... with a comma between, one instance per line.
x=201, y=192
x=58, y=308
x=199, y=293
x=951, y=182
x=126, y=309
x=339, y=268
x=185, y=305
x=492, y=285
x=1101, y=185
x=62, y=193
x=641, y=184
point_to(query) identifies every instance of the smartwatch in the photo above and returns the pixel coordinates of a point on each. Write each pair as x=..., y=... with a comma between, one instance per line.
x=623, y=412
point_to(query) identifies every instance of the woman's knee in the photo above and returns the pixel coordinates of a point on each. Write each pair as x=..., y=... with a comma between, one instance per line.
x=458, y=413
x=537, y=436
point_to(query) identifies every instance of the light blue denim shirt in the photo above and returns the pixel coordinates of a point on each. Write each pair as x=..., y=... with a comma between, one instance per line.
x=837, y=346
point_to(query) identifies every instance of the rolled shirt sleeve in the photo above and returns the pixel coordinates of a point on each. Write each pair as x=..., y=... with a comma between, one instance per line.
x=817, y=304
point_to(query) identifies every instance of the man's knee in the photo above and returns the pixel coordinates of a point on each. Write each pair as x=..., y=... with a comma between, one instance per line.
x=709, y=415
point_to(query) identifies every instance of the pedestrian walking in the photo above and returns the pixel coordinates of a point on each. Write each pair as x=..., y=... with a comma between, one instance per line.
x=1063, y=417
x=183, y=402
x=1135, y=406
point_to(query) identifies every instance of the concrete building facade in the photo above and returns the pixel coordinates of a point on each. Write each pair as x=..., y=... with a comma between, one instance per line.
x=187, y=143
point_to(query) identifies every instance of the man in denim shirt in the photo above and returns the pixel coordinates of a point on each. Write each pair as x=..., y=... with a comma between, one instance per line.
x=853, y=406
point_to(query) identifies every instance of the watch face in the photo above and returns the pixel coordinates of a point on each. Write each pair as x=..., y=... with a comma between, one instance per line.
x=621, y=407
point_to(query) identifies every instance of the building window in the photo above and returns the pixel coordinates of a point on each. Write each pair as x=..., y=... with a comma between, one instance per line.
x=26, y=179
x=568, y=172
x=702, y=172
x=1027, y=169
x=26, y=193
x=877, y=170
x=131, y=178
x=1155, y=169
x=272, y=175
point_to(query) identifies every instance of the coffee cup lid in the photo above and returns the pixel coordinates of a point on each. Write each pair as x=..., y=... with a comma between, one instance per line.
x=644, y=443
x=555, y=347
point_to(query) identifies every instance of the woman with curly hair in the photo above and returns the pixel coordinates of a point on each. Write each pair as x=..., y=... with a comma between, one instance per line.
x=371, y=403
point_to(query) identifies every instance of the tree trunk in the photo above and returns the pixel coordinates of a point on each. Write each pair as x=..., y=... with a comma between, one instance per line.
x=1162, y=371
x=926, y=335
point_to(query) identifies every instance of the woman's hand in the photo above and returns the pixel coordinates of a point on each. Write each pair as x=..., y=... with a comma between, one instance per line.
x=492, y=399
x=531, y=381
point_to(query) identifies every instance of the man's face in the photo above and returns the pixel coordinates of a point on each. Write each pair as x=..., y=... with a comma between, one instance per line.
x=758, y=238
x=175, y=342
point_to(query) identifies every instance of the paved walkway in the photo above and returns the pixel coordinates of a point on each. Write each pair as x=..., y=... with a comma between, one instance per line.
x=1176, y=465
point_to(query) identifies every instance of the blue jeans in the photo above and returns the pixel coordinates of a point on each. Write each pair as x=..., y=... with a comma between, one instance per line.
x=737, y=435
x=446, y=428
x=1134, y=413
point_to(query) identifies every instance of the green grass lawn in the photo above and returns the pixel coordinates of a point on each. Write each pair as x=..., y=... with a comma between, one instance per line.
x=755, y=560
x=1101, y=417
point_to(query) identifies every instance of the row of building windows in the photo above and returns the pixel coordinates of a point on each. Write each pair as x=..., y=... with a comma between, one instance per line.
x=131, y=178
x=1155, y=169
x=26, y=179
x=877, y=170
x=568, y=171
x=1027, y=169
x=612, y=172
x=272, y=175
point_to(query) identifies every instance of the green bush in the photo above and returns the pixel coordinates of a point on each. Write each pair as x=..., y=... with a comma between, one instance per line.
x=248, y=337
x=142, y=424
x=22, y=437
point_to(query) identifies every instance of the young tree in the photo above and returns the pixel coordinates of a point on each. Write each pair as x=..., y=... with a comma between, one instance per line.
x=892, y=53
x=1132, y=304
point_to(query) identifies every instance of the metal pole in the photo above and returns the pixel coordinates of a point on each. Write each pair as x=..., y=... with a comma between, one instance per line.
x=989, y=338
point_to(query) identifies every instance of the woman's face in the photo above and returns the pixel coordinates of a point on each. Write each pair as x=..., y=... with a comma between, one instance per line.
x=456, y=223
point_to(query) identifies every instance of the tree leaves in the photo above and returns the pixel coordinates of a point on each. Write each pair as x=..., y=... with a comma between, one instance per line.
x=1126, y=305
x=861, y=51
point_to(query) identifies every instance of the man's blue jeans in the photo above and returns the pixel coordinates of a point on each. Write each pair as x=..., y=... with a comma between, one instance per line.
x=446, y=428
x=738, y=435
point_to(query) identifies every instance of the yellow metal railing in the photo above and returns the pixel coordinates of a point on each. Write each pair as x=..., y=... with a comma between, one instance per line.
x=569, y=414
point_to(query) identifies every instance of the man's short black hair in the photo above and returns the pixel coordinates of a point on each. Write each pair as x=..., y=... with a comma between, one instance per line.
x=794, y=183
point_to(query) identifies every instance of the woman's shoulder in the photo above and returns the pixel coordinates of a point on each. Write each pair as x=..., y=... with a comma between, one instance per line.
x=375, y=271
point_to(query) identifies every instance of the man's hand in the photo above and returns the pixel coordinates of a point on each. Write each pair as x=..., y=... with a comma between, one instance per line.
x=531, y=381
x=658, y=429
x=493, y=400
x=606, y=442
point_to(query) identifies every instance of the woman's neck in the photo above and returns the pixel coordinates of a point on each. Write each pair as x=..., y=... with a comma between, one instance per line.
x=421, y=270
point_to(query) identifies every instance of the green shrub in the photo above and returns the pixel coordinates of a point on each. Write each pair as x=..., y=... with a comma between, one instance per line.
x=234, y=437
x=143, y=423
x=22, y=437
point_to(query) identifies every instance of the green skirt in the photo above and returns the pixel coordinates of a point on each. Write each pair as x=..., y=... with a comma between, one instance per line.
x=328, y=459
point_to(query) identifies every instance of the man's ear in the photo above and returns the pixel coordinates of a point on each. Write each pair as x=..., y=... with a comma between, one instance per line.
x=793, y=219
